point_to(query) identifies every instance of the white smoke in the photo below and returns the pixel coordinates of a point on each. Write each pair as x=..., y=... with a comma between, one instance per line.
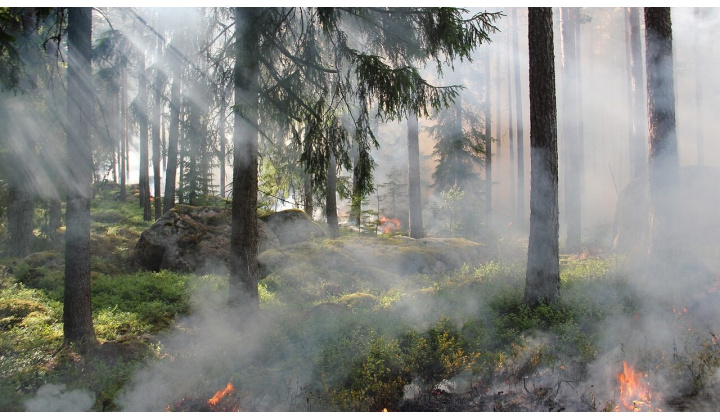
x=56, y=397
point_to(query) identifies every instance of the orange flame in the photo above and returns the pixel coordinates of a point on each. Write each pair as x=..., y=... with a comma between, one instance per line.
x=388, y=225
x=220, y=395
x=634, y=393
x=384, y=410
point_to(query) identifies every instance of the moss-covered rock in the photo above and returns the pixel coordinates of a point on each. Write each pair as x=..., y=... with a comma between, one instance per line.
x=192, y=239
x=292, y=226
x=13, y=311
x=319, y=270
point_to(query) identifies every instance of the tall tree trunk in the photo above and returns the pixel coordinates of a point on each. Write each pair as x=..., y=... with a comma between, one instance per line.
x=77, y=310
x=638, y=148
x=571, y=135
x=244, y=270
x=144, y=176
x=663, y=157
x=223, y=144
x=520, y=212
x=542, y=281
x=330, y=199
x=123, y=134
x=356, y=199
x=20, y=212
x=307, y=190
x=157, y=110
x=223, y=155
x=174, y=132
x=488, y=142
x=414, y=192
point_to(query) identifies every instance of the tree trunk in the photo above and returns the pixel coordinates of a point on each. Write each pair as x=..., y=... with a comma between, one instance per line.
x=572, y=140
x=244, y=270
x=157, y=110
x=488, y=142
x=330, y=199
x=542, y=281
x=520, y=212
x=77, y=310
x=356, y=199
x=20, y=213
x=144, y=176
x=174, y=134
x=307, y=189
x=223, y=150
x=414, y=192
x=663, y=156
x=638, y=148
x=123, y=135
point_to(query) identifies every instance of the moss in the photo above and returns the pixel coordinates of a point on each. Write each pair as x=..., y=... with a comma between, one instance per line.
x=13, y=311
x=358, y=300
x=43, y=259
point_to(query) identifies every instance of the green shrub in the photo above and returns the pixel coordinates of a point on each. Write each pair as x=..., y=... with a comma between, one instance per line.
x=440, y=353
x=376, y=380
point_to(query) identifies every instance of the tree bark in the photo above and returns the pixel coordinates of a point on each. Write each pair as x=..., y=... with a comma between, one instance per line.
x=307, y=190
x=663, y=160
x=520, y=212
x=20, y=213
x=123, y=135
x=330, y=199
x=77, y=310
x=542, y=281
x=157, y=110
x=244, y=270
x=174, y=132
x=144, y=175
x=414, y=192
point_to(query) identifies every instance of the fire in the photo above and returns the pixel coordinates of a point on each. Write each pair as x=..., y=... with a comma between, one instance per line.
x=388, y=225
x=384, y=410
x=634, y=392
x=221, y=399
x=227, y=391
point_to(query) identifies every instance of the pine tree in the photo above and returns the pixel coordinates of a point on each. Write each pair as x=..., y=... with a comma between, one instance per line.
x=542, y=278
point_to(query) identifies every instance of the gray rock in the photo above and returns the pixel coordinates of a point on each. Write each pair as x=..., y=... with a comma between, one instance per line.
x=293, y=226
x=192, y=239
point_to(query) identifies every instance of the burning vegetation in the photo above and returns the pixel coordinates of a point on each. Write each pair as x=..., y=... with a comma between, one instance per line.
x=635, y=392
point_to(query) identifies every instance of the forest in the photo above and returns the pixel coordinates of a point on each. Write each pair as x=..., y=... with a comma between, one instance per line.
x=359, y=209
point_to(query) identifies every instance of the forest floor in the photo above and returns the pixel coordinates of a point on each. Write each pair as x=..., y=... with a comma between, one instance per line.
x=448, y=341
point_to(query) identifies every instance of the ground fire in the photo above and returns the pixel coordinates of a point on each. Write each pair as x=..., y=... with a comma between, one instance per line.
x=223, y=400
x=635, y=394
x=388, y=225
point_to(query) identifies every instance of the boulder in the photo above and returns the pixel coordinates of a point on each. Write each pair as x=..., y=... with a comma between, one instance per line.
x=699, y=199
x=192, y=239
x=292, y=226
